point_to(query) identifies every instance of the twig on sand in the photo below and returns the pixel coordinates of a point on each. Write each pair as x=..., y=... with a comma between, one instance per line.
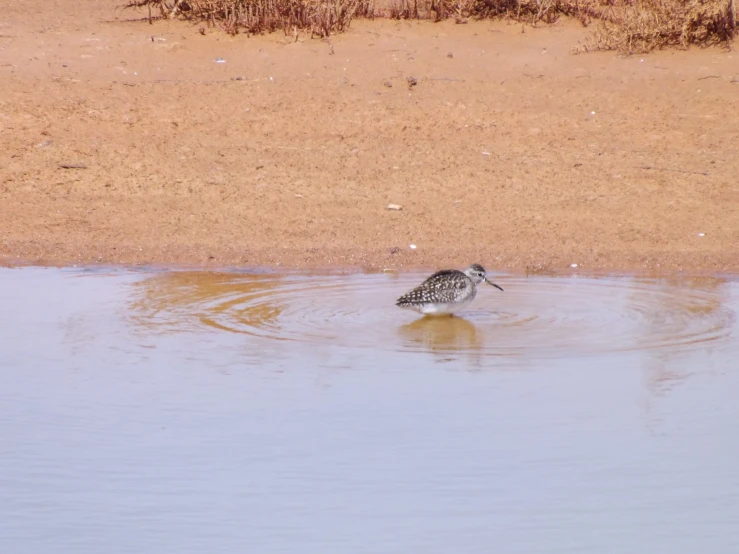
x=450, y=79
x=709, y=77
x=72, y=166
x=704, y=173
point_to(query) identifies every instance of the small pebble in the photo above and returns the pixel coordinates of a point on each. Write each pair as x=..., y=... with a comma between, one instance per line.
x=412, y=82
x=449, y=55
x=573, y=265
x=394, y=207
x=388, y=84
x=701, y=234
x=413, y=246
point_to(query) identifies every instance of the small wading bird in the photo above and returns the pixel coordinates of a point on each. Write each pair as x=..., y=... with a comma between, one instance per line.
x=446, y=291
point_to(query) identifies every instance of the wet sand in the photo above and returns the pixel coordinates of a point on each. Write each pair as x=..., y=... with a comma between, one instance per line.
x=509, y=150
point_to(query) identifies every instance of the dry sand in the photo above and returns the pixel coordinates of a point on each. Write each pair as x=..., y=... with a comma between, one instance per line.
x=509, y=151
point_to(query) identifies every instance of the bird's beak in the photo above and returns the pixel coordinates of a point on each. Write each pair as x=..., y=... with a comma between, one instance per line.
x=491, y=283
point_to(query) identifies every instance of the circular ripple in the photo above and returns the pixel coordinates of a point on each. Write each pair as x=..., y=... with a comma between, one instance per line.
x=545, y=316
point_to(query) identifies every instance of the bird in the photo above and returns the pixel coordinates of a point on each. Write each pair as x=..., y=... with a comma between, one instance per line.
x=446, y=291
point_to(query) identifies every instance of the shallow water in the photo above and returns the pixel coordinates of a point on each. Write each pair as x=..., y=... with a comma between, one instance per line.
x=231, y=412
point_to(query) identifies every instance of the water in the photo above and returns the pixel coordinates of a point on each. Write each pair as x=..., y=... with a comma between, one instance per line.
x=190, y=412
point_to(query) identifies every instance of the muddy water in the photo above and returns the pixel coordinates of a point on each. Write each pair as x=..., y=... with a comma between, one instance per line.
x=191, y=412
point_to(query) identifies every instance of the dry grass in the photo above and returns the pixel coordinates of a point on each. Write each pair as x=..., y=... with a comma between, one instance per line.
x=645, y=25
x=320, y=18
x=629, y=26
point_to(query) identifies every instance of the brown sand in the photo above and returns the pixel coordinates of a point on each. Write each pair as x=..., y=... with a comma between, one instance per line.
x=509, y=151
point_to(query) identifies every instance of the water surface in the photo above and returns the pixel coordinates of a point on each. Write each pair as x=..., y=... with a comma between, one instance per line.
x=170, y=411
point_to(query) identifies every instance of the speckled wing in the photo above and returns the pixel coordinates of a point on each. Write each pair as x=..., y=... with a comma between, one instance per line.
x=446, y=286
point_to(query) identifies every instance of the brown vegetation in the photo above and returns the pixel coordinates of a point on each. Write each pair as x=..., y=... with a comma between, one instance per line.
x=625, y=25
x=645, y=25
x=321, y=18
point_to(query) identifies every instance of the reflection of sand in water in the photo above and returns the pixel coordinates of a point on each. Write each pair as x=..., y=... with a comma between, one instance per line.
x=670, y=313
x=442, y=334
x=183, y=300
x=680, y=304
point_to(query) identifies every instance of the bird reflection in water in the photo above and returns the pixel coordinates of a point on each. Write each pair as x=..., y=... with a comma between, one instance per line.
x=442, y=335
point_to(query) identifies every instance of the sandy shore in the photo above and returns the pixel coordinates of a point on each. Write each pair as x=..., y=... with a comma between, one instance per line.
x=509, y=151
